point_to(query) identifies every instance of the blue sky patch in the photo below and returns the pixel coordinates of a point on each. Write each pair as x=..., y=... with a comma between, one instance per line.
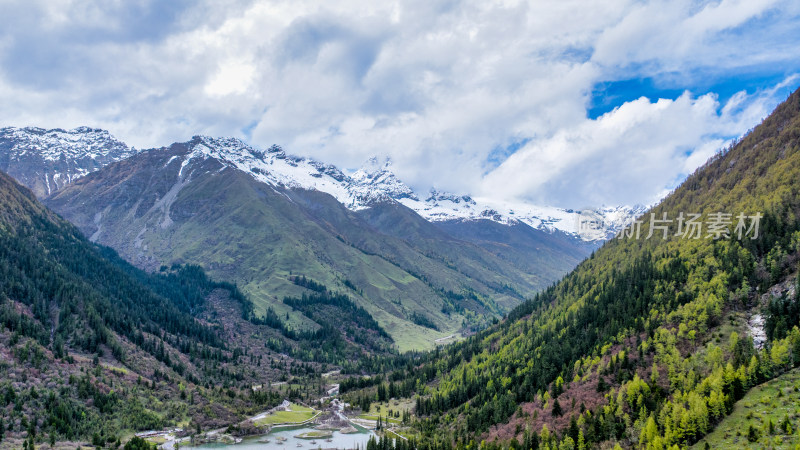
x=499, y=154
x=609, y=95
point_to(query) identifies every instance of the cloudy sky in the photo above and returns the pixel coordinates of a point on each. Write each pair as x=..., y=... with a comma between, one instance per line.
x=568, y=103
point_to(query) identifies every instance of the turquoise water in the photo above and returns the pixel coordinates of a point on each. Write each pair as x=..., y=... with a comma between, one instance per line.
x=338, y=441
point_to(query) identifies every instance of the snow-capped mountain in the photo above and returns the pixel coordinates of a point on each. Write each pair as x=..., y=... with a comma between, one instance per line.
x=375, y=182
x=255, y=217
x=272, y=166
x=47, y=160
x=371, y=184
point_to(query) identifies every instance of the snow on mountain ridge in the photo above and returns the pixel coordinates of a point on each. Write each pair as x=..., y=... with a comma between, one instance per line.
x=46, y=160
x=273, y=166
x=375, y=182
x=57, y=143
x=589, y=224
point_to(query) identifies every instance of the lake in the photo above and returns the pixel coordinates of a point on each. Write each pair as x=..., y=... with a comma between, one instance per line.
x=338, y=440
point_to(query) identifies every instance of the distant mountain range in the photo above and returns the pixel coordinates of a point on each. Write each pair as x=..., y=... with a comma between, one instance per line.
x=423, y=268
x=47, y=160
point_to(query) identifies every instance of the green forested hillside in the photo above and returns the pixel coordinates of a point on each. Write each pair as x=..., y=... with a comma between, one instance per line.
x=647, y=343
x=49, y=268
x=93, y=349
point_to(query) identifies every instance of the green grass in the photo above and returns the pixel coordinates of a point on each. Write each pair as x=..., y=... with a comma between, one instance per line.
x=401, y=405
x=316, y=434
x=774, y=401
x=381, y=409
x=297, y=414
x=267, y=288
x=383, y=418
x=115, y=369
x=296, y=407
x=409, y=336
x=158, y=440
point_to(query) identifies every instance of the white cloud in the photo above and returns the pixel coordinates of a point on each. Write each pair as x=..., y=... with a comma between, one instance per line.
x=443, y=87
x=631, y=154
x=682, y=35
x=233, y=77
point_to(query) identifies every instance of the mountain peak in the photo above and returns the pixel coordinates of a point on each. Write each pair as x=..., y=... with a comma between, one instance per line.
x=222, y=147
x=53, y=144
x=272, y=166
x=47, y=159
x=374, y=183
x=375, y=165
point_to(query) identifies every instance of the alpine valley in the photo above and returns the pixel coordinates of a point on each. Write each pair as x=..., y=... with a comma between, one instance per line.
x=209, y=291
x=425, y=269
